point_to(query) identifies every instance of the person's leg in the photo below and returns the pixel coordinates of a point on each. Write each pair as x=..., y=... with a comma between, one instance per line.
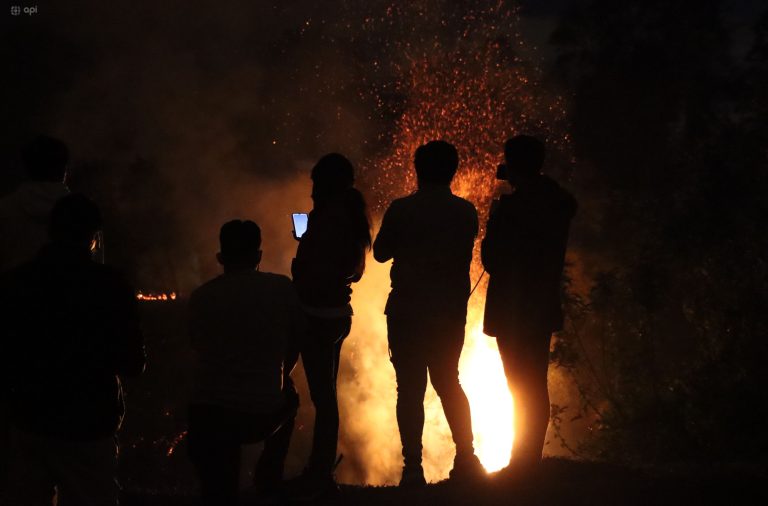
x=320, y=355
x=526, y=360
x=85, y=471
x=215, y=453
x=28, y=481
x=443, y=362
x=271, y=463
x=411, y=375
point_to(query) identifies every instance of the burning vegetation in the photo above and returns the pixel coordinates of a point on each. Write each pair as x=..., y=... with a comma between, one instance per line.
x=156, y=296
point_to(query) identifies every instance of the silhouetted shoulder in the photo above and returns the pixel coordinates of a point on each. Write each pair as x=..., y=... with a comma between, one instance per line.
x=281, y=283
x=278, y=284
x=468, y=206
x=564, y=199
x=278, y=279
x=401, y=202
x=206, y=288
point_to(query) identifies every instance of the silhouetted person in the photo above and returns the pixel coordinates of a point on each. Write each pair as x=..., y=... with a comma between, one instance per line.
x=524, y=252
x=24, y=213
x=330, y=257
x=429, y=235
x=242, y=325
x=71, y=332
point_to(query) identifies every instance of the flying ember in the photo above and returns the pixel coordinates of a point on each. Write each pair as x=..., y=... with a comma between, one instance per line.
x=474, y=93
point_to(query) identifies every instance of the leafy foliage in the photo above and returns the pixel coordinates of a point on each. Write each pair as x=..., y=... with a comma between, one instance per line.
x=668, y=344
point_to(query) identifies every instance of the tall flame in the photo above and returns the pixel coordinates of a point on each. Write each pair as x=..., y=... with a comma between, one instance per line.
x=474, y=95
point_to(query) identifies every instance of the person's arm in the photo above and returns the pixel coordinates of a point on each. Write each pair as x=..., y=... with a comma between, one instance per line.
x=385, y=245
x=489, y=248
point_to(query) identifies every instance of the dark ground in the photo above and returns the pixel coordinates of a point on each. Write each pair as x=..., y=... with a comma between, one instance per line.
x=561, y=482
x=156, y=416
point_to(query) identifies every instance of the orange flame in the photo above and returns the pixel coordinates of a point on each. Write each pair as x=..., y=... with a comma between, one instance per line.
x=150, y=296
x=475, y=100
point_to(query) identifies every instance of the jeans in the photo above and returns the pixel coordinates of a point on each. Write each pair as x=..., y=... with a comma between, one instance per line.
x=78, y=473
x=434, y=345
x=525, y=356
x=320, y=351
x=215, y=437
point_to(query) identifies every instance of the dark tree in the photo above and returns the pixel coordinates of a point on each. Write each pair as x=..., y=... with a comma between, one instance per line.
x=669, y=128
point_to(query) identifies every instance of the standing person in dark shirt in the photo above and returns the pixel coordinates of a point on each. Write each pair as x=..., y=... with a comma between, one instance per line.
x=72, y=333
x=430, y=235
x=524, y=253
x=330, y=257
x=242, y=325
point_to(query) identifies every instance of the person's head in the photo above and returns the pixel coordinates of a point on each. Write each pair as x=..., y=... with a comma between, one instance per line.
x=436, y=163
x=240, y=245
x=331, y=175
x=46, y=159
x=524, y=156
x=74, y=222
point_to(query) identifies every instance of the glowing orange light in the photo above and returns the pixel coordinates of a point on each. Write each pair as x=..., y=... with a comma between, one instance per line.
x=150, y=296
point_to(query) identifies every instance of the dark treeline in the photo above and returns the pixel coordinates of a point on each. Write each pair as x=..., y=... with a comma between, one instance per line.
x=668, y=344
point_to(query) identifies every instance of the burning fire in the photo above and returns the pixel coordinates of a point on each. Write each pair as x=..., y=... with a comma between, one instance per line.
x=482, y=377
x=150, y=296
x=474, y=93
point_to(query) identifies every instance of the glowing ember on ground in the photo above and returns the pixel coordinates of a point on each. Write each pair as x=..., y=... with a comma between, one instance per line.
x=150, y=296
x=175, y=442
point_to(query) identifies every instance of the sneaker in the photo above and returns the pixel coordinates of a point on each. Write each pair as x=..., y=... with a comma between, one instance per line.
x=413, y=477
x=310, y=487
x=467, y=468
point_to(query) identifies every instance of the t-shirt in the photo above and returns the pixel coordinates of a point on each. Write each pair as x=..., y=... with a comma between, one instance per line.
x=430, y=236
x=241, y=325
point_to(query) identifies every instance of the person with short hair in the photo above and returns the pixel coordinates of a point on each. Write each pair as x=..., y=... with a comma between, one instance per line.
x=24, y=212
x=524, y=253
x=429, y=236
x=71, y=333
x=242, y=325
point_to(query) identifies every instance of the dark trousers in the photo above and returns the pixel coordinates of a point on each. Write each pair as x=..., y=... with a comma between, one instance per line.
x=320, y=352
x=525, y=355
x=216, y=435
x=418, y=346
